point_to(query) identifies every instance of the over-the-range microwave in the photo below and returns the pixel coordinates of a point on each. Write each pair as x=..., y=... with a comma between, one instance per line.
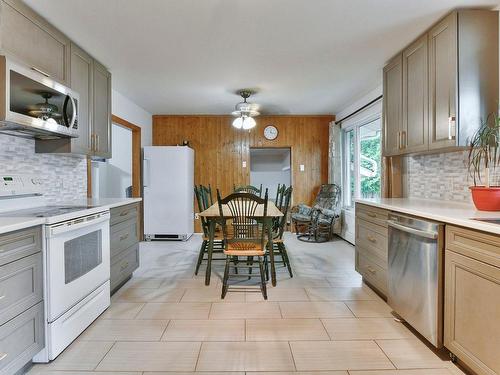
x=34, y=105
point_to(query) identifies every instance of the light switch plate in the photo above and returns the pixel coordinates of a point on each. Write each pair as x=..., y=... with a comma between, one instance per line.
x=302, y=168
x=244, y=164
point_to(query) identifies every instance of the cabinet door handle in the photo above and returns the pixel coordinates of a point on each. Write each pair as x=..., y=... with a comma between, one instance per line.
x=40, y=71
x=92, y=142
x=124, y=266
x=403, y=139
x=3, y=356
x=399, y=140
x=124, y=237
x=2, y=297
x=451, y=127
x=97, y=142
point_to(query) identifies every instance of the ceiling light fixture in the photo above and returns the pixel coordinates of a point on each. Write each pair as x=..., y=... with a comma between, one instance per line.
x=244, y=112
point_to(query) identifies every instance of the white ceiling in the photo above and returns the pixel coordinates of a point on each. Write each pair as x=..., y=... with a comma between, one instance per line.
x=190, y=56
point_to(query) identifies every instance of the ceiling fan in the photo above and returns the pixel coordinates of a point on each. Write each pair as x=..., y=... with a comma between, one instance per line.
x=244, y=112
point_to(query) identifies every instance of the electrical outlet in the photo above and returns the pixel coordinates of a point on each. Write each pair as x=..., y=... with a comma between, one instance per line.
x=196, y=216
x=244, y=164
x=302, y=167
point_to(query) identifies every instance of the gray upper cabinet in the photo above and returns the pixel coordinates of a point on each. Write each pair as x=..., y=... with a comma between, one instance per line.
x=102, y=111
x=392, y=109
x=449, y=85
x=30, y=39
x=82, y=66
x=443, y=82
x=415, y=97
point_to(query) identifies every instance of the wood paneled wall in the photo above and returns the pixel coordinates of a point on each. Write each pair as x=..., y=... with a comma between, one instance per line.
x=221, y=149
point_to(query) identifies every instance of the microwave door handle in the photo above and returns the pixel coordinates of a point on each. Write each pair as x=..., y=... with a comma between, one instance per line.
x=73, y=113
x=417, y=232
x=54, y=230
x=69, y=123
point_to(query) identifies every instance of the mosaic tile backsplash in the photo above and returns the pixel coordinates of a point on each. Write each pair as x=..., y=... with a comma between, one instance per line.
x=64, y=177
x=441, y=176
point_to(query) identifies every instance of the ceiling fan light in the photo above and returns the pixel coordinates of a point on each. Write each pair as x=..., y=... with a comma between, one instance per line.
x=238, y=122
x=248, y=123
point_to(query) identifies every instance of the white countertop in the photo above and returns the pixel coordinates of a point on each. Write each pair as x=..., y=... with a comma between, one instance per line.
x=461, y=214
x=103, y=202
x=10, y=224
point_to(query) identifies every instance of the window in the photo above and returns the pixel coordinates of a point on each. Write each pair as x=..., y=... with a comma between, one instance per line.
x=362, y=159
x=349, y=188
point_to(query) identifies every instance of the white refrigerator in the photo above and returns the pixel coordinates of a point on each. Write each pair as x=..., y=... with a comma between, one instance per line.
x=168, y=184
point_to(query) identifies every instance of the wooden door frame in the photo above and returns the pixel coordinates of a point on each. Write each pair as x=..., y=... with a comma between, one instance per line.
x=136, y=158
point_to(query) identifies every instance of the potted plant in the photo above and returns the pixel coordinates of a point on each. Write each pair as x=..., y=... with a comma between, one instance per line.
x=484, y=157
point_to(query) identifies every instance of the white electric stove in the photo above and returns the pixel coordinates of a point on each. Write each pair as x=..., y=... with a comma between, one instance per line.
x=76, y=259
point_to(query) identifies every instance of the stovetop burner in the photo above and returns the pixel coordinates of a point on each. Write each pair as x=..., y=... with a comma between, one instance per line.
x=44, y=211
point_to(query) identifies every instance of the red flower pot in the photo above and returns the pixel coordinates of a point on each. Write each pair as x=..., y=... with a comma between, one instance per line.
x=486, y=199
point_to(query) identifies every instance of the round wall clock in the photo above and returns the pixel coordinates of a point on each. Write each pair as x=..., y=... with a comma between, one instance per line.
x=270, y=132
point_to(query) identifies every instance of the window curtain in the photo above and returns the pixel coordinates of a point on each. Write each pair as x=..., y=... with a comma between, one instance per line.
x=335, y=154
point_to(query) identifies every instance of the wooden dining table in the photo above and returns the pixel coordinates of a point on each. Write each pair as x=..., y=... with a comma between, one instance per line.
x=214, y=217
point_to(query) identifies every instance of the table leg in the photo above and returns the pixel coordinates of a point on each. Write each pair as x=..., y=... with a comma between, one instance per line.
x=211, y=233
x=271, y=250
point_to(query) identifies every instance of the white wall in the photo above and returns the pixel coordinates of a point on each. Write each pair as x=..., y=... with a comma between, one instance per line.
x=115, y=175
x=270, y=170
x=128, y=110
x=360, y=101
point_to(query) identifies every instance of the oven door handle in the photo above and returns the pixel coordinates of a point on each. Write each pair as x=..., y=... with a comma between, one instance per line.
x=417, y=232
x=56, y=229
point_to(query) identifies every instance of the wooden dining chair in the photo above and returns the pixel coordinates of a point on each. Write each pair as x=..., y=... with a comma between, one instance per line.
x=246, y=236
x=279, y=248
x=203, y=196
x=279, y=204
x=248, y=189
x=206, y=193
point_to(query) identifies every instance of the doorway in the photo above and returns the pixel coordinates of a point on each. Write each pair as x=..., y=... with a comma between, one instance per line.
x=270, y=167
x=113, y=177
x=130, y=162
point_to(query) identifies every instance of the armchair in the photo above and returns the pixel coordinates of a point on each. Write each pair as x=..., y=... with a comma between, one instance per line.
x=315, y=224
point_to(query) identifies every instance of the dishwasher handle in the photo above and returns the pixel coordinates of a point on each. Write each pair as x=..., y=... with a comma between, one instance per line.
x=417, y=232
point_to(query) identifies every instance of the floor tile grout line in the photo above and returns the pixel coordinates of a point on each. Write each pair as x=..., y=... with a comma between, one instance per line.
x=138, y=312
x=352, y=312
x=104, y=356
x=198, y=357
x=164, y=330
x=293, y=358
x=383, y=351
x=324, y=327
x=210, y=311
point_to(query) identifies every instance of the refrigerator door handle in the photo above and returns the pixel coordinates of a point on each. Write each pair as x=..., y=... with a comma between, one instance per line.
x=147, y=172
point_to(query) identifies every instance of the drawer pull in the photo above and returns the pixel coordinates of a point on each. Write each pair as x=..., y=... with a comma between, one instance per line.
x=371, y=238
x=124, y=266
x=371, y=270
x=3, y=356
x=2, y=297
x=124, y=213
x=124, y=237
x=371, y=214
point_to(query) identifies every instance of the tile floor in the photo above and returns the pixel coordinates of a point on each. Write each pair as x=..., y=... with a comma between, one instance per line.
x=321, y=321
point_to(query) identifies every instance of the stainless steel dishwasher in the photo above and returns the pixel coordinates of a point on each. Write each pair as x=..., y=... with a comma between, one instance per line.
x=415, y=274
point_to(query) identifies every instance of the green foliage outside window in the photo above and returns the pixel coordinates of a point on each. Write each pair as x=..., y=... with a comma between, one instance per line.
x=371, y=148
